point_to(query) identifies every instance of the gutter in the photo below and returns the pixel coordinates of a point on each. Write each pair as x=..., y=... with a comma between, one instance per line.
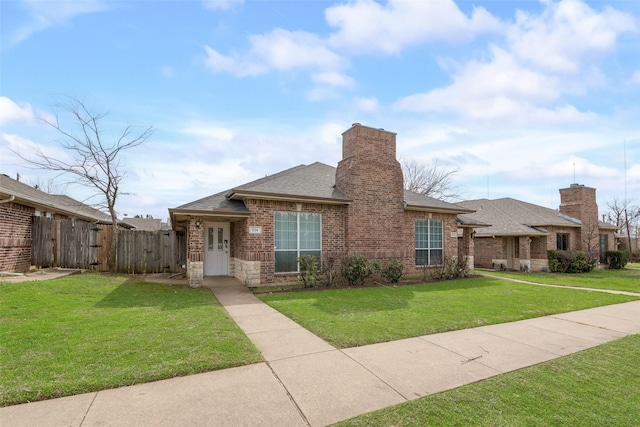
x=10, y=199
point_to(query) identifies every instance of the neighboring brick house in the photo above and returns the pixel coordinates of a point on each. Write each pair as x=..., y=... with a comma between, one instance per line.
x=19, y=203
x=256, y=232
x=521, y=233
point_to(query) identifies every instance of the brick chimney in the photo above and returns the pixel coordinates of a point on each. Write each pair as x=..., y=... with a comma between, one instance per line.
x=579, y=202
x=371, y=176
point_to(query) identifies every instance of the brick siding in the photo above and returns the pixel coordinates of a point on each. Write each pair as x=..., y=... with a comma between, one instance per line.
x=15, y=237
x=260, y=247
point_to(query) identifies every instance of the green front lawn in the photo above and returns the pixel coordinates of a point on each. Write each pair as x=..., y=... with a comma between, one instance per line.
x=355, y=317
x=595, y=387
x=90, y=332
x=627, y=279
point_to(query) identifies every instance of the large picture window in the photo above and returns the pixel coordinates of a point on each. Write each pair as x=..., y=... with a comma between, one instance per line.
x=429, y=242
x=296, y=234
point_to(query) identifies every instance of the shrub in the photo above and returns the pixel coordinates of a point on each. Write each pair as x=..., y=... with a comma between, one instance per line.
x=355, y=268
x=392, y=271
x=554, y=262
x=309, y=270
x=617, y=259
x=329, y=267
x=453, y=268
x=571, y=261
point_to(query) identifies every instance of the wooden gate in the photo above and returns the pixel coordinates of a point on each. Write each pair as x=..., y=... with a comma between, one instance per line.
x=42, y=241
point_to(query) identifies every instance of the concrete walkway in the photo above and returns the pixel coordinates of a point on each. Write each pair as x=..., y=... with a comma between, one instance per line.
x=45, y=274
x=305, y=381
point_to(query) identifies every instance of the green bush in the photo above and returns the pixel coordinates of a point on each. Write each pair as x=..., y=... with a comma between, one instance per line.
x=617, y=259
x=309, y=270
x=571, y=261
x=392, y=271
x=554, y=263
x=355, y=268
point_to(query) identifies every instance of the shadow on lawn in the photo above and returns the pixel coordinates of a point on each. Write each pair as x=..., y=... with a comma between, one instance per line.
x=166, y=297
x=386, y=298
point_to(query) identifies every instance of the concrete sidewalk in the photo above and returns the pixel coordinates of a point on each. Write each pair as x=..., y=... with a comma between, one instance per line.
x=305, y=381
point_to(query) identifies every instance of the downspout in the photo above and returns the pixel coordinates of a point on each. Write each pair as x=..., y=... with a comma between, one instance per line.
x=10, y=199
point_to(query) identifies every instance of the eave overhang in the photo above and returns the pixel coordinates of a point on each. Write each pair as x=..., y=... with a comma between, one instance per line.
x=419, y=208
x=259, y=195
x=48, y=207
x=178, y=215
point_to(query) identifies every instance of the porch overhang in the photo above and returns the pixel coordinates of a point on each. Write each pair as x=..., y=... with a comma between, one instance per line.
x=180, y=217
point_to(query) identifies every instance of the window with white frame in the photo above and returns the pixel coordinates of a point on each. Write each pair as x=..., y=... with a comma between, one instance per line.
x=296, y=234
x=429, y=242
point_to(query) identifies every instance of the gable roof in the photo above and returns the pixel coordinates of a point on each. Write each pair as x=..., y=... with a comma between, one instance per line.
x=302, y=183
x=315, y=181
x=55, y=203
x=511, y=217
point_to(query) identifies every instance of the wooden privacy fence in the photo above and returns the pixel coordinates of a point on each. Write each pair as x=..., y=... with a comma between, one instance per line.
x=143, y=252
x=79, y=244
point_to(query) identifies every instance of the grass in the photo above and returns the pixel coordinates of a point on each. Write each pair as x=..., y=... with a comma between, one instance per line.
x=355, y=317
x=595, y=387
x=627, y=279
x=91, y=332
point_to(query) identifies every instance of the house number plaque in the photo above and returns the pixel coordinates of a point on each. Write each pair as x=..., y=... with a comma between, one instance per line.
x=255, y=230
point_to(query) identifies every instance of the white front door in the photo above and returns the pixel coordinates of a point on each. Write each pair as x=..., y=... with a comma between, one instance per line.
x=216, y=249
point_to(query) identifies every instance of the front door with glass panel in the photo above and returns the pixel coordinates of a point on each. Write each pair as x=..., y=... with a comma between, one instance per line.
x=216, y=249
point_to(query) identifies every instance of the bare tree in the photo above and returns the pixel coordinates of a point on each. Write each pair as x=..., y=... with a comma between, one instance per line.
x=626, y=216
x=95, y=160
x=430, y=179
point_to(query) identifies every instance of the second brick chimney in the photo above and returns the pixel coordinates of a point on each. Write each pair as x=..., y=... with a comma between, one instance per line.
x=579, y=201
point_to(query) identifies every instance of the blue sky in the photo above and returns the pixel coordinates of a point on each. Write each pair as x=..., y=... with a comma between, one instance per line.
x=522, y=97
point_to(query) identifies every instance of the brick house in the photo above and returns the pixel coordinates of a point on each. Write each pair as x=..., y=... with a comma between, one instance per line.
x=256, y=231
x=521, y=233
x=19, y=203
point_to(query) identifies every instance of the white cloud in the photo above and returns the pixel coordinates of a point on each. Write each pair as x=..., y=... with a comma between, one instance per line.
x=498, y=89
x=280, y=50
x=47, y=14
x=580, y=167
x=168, y=72
x=333, y=78
x=12, y=112
x=209, y=131
x=544, y=58
x=635, y=77
x=567, y=35
x=368, y=26
x=221, y=4
x=331, y=133
x=367, y=104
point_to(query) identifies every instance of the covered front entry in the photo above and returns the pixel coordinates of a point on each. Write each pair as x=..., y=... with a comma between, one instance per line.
x=216, y=249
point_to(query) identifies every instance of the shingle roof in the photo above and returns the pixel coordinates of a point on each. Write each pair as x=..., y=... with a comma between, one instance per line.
x=315, y=181
x=304, y=182
x=30, y=196
x=511, y=217
x=417, y=201
x=216, y=201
